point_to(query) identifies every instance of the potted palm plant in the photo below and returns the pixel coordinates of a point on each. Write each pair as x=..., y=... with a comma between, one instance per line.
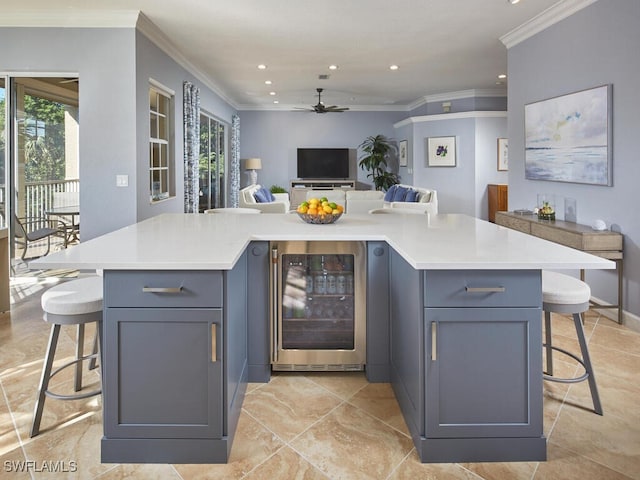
x=376, y=150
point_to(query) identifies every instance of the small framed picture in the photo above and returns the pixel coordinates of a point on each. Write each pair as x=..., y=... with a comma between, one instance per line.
x=403, y=153
x=441, y=152
x=503, y=154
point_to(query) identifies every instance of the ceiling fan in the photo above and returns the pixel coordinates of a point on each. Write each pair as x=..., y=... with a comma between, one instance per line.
x=322, y=108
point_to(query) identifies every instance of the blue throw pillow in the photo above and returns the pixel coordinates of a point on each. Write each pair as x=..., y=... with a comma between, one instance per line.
x=388, y=197
x=412, y=195
x=269, y=195
x=260, y=196
x=400, y=193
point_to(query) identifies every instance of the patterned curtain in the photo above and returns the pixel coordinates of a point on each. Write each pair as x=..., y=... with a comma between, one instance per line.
x=191, y=117
x=234, y=180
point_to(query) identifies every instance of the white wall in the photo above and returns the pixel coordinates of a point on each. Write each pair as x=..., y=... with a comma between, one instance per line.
x=597, y=45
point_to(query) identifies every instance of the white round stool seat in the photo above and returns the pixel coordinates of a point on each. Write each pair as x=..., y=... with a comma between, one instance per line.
x=562, y=289
x=234, y=210
x=76, y=297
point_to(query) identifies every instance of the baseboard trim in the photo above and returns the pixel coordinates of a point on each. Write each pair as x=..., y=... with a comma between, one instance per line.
x=628, y=319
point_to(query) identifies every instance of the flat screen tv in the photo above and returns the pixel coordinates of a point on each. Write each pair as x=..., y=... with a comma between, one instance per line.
x=323, y=163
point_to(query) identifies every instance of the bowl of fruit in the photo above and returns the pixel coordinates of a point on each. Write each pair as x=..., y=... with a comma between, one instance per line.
x=319, y=211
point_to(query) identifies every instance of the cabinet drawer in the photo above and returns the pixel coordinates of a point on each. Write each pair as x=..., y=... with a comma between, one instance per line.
x=182, y=289
x=482, y=288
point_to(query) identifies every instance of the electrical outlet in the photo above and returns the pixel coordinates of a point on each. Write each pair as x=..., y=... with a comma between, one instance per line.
x=122, y=180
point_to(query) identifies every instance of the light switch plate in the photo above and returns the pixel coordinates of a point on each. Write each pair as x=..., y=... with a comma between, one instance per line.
x=122, y=180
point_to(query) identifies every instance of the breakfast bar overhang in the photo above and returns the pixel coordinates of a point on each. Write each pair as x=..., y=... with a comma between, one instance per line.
x=453, y=322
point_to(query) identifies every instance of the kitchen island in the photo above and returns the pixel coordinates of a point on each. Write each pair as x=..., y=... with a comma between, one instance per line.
x=455, y=306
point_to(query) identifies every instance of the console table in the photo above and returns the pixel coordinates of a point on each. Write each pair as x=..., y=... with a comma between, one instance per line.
x=299, y=188
x=605, y=244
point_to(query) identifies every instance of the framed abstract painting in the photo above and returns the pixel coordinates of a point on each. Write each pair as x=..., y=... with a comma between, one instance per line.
x=441, y=152
x=568, y=138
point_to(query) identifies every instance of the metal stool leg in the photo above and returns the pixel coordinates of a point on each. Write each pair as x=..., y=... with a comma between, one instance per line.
x=44, y=379
x=597, y=406
x=79, y=355
x=547, y=344
x=92, y=362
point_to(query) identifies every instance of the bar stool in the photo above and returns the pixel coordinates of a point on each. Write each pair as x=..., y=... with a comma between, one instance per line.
x=564, y=294
x=76, y=302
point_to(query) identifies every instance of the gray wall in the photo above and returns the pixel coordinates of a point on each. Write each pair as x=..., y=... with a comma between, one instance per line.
x=275, y=137
x=114, y=67
x=597, y=45
x=153, y=63
x=105, y=62
x=463, y=188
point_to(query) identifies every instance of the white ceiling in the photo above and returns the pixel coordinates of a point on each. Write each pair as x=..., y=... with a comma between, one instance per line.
x=440, y=46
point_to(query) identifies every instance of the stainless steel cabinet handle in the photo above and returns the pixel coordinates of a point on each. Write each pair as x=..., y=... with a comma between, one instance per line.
x=162, y=289
x=214, y=343
x=434, y=341
x=485, y=289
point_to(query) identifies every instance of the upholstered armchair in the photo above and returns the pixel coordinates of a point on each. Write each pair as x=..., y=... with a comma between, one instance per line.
x=255, y=196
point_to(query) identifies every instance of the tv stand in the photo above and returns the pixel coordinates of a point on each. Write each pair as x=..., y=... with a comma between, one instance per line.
x=299, y=188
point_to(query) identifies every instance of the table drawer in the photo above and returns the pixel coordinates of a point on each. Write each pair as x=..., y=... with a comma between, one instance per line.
x=182, y=289
x=482, y=288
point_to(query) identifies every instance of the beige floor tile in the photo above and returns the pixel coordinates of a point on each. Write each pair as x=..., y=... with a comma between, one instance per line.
x=252, y=445
x=349, y=443
x=567, y=465
x=289, y=404
x=342, y=384
x=379, y=400
x=13, y=465
x=78, y=442
x=607, y=440
x=286, y=464
x=412, y=468
x=141, y=472
x=502, y=470
x=616, y=338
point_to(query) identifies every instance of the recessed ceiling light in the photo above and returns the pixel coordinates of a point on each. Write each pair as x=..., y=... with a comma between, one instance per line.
x=502, y=76
x=262, y=66
x=333, y=67
x=272, y=93
x=513, y=2
x=276, y=101
x=393, y=67
x=268, y=82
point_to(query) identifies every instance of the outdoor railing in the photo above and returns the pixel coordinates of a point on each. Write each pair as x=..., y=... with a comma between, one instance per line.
x=38, y=197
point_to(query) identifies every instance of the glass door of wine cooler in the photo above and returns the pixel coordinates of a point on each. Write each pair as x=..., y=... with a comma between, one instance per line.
x=320, y=305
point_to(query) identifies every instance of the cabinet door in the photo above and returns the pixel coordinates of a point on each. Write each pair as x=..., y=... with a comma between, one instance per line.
x=163, y=374
x=483, y=369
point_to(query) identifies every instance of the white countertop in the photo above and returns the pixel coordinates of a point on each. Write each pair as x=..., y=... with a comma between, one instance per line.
x=215, y=242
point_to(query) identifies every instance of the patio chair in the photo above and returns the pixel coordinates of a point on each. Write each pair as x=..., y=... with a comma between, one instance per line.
x=25, y=233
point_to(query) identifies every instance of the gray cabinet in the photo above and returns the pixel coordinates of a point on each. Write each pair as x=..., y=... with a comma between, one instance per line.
x=174, y=364
x=466, y=362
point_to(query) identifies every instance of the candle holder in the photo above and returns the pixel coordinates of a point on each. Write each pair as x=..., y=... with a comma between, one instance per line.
x=546, y=206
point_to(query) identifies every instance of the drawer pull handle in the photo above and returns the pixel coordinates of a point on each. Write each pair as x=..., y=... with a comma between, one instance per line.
x=485, y=289
x=214, y=342
x=162, y=289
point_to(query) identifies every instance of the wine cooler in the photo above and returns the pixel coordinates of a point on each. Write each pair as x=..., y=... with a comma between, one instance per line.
x=318, y=296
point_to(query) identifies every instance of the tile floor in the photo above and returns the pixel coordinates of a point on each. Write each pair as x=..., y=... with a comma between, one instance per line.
x=317, y=425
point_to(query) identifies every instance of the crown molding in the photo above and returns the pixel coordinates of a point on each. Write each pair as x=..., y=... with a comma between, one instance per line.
x=443, y=97
x=160, y=40
x=70, y=18
x=550, y=16
x=450, y=116
x=302, y=108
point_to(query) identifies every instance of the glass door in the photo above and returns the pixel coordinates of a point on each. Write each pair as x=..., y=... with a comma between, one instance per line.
x=3, y=151
x=318, y=302
x=213, y=146
x=321, y=306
